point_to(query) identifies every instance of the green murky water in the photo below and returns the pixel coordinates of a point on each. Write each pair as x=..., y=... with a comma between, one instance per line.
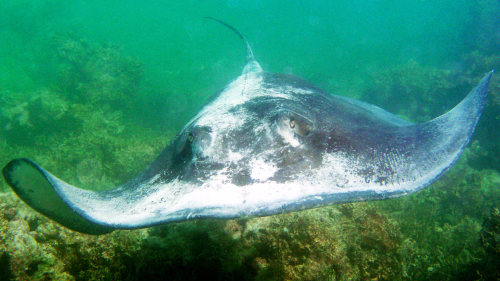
x=93, y=90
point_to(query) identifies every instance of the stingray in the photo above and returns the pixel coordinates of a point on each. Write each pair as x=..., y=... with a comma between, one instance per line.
x=268, y=143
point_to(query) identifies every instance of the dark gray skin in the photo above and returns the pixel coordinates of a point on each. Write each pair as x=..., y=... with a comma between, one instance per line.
x=323, y=123
x=267, y=144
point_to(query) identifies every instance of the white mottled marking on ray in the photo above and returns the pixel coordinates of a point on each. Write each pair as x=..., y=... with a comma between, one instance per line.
x=288, y=136
x=290, y=89
x=238, y=92
x=262, y=170
x=233, y=156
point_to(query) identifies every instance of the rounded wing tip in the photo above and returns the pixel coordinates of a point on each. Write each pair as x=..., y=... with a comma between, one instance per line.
x=37, y=189
x=8, y=170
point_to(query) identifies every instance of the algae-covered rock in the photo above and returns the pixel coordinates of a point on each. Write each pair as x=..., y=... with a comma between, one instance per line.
x=413, y=91
x=348, y=242
x=490, y=234
x=35, y=248
x=96, y=73
x=352, y=242
x=25, y=257
x=198, y=250
x=42, y=113
x=490, y=240
x=442, y=223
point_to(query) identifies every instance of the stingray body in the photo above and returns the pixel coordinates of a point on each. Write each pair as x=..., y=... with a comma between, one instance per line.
x=268, y=143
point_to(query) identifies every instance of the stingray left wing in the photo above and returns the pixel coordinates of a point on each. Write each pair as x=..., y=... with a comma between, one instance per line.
x=47, y=194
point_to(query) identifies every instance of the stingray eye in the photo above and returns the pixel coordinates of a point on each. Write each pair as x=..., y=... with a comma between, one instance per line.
x=293, y=128
x=190, y=138
x=300, y=125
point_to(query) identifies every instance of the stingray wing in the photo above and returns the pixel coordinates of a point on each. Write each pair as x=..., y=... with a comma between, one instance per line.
x=48, y=195
x=435, y=146
x=378, y=163
x=377, y=111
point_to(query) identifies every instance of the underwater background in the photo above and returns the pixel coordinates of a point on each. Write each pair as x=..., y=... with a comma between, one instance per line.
x=93, y=90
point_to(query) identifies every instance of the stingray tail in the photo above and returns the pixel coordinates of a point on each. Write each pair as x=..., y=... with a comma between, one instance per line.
x=251, y=65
